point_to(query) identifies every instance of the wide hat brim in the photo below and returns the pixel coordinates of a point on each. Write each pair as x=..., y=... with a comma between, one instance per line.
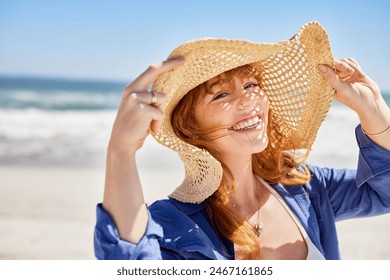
x=299, y=96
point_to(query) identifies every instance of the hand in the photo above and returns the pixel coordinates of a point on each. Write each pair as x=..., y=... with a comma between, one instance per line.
x=140, y=109
x=353, y=88
x=359, y=92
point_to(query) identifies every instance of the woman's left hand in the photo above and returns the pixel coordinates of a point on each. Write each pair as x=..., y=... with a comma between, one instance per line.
x=360, y=93
x=353, y=88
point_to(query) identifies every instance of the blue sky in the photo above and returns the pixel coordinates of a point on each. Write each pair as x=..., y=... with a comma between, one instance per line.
x=116, y=40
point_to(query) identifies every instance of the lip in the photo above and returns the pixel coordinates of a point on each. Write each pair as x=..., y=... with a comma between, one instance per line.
x=260, y=115
x=247, y=122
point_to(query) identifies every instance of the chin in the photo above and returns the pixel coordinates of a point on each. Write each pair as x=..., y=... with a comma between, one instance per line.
x=259, y=145
x=244, y=143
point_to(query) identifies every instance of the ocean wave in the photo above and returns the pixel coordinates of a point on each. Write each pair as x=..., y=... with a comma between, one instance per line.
x=67, y=138
x=37, y=123
x=58, y=100
x=36, y=136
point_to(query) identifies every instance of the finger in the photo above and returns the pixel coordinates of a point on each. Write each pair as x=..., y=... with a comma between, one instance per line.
x=143, y=82
x=155, y=125
x=157, y=99
x=357, y=74
x=343, y=69
x=351, y=63
x=331, y=77
x=155, y=118
x=342, y=66
x=354, y=61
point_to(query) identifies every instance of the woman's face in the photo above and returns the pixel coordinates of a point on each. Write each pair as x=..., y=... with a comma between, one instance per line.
x=240, y=108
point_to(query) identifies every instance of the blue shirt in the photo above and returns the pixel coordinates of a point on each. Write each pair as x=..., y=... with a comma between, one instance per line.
x=178, y=230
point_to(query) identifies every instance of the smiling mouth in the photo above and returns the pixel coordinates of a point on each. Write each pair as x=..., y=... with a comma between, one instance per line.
x=247, y=124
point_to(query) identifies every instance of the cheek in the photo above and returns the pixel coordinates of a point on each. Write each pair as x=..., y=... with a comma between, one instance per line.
x=263, y=101
x=200, y=116
x=209, y=117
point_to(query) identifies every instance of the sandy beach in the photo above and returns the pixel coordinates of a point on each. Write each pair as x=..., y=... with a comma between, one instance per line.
x=49, y=213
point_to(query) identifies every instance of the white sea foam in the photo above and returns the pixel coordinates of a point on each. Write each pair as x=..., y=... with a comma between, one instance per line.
x=59, y=99
x=39, y=136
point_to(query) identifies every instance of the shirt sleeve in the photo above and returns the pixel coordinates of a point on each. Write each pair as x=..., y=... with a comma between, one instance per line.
x=374, y=163
x=109, y=246
x=362, y=192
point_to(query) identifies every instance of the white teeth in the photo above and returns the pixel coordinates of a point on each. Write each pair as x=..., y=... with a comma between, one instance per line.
x=253, y=120
x=247, y=124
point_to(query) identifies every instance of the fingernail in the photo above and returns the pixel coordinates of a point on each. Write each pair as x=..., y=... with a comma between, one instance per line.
x=323, y=68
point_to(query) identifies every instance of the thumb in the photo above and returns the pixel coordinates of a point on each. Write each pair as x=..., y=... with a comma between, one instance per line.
x=344, y=92
x=331, y=77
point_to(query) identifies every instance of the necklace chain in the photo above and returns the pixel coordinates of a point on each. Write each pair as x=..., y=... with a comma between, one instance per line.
x=258, y=227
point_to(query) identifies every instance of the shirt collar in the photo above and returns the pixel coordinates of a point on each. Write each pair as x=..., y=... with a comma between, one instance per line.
x=187, y=208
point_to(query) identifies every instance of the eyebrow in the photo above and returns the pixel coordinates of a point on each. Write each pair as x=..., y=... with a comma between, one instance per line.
x=217, y=83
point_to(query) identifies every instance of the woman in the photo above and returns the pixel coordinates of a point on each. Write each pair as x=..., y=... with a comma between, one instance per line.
x=242, y=117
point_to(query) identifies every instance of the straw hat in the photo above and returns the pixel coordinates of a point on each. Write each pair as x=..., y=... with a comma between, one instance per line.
x=299, y=96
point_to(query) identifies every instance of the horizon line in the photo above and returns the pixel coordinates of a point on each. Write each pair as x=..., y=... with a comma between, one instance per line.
x=62, y=78
x=384, y=91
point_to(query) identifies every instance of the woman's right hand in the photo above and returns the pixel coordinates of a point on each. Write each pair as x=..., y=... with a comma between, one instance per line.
x=140, y=109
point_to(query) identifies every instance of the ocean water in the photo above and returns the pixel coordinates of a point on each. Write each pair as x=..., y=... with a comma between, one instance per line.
x=55, y=121
x=68, y=123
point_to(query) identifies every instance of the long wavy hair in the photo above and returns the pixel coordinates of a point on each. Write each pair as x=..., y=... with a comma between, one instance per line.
x=274, y=164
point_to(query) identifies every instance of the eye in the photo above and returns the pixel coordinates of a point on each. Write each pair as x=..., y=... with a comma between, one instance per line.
x=219, y=95
x=251, y=85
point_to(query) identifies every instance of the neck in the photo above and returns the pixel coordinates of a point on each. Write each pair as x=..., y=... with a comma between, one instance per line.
x=245, y=194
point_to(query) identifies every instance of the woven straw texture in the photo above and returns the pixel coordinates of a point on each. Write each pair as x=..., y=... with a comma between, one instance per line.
x=299, y=97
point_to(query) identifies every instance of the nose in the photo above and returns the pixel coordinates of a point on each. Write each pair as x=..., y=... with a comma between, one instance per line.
x=247, y=100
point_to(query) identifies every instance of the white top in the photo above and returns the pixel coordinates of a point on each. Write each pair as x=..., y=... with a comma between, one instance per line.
x=312, y=251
